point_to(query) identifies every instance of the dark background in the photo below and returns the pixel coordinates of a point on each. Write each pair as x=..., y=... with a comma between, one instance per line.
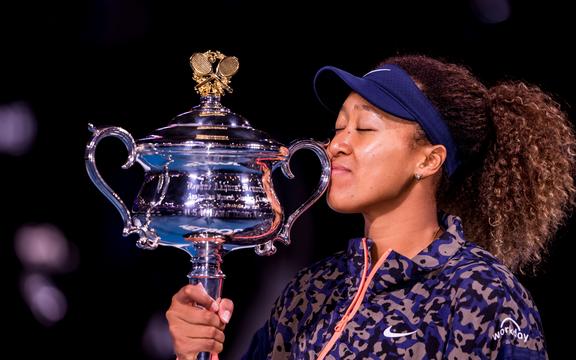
x=125, y=63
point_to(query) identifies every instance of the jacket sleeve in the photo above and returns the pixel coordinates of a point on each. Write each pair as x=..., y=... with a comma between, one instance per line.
x=258, y=349
x=263, y=339
x=493, y=317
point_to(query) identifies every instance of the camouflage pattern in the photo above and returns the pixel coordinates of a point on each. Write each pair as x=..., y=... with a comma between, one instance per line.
x=453, y=300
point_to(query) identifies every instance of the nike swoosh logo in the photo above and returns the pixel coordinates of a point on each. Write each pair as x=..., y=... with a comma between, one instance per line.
x=388, y=333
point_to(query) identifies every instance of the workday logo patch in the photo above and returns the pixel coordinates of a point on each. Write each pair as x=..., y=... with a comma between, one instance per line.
x=513, y=329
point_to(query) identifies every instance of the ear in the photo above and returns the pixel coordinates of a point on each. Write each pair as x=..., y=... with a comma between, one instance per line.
x=434, y=157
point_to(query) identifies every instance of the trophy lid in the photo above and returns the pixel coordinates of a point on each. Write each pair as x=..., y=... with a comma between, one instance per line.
x=210, y=125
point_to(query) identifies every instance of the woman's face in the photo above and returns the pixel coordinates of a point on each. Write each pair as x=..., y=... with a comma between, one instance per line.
x=374, y=157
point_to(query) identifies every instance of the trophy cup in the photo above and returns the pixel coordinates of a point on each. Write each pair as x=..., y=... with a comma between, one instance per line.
x=207, y=184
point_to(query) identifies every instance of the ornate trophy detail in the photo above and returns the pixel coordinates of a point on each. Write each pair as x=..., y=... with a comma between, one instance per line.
x=212, y=81
x=207, y=183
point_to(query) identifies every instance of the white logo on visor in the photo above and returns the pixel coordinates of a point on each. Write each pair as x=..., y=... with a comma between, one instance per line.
x=377, y=70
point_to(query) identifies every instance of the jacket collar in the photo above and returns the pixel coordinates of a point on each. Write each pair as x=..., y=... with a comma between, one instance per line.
x=397, y=268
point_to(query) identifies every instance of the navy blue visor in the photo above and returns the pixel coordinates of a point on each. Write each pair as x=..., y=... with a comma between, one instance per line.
x=392, y=90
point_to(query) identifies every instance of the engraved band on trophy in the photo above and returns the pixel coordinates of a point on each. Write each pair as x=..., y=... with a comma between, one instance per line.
x=207, y=184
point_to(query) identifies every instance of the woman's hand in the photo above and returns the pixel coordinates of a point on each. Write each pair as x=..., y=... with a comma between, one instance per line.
x=197, y=322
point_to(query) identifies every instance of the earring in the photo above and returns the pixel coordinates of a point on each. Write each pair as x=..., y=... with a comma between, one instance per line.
x=418, y=177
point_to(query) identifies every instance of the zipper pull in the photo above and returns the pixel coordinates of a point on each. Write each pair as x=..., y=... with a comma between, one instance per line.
x=341, y=324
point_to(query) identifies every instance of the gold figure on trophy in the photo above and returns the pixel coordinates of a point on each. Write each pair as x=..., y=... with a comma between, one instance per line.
x=210, y=80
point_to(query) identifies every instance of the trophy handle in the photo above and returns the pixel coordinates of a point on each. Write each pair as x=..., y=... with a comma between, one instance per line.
x=90, y=157
x=320, y=150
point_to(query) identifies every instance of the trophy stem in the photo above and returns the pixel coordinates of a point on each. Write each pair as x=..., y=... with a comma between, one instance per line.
x=206, y=258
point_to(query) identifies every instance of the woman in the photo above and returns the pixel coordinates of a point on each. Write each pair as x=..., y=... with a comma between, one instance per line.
x=419, y=141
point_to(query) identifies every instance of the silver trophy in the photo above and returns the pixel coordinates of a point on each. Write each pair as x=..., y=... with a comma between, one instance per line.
x=207, y=184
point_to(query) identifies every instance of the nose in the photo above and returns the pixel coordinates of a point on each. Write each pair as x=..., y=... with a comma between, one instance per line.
x=340, y=143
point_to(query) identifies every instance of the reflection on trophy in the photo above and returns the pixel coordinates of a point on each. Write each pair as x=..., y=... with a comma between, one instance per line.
x=207, y=184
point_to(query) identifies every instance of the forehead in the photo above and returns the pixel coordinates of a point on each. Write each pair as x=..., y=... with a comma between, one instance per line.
x=356, y=103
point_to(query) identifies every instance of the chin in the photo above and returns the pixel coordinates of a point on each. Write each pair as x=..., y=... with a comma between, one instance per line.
x=340, y=206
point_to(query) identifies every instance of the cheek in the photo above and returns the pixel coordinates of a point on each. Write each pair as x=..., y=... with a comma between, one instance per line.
x=375, y=170
x=384, y=170
x=378, y=162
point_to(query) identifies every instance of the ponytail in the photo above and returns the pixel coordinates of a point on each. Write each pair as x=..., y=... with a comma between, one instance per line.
x=515, y=185
x=526, y=185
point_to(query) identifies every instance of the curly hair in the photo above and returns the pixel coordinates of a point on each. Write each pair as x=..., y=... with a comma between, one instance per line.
x=515, y=185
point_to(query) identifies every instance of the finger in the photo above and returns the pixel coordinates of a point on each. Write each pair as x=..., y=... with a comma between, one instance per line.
x=226, y=309
x=190, y=315
x=207, y=332
x=195, y=295
x=214, y=356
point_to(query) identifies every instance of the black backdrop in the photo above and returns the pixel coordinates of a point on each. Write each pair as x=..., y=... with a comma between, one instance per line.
x=124, y=63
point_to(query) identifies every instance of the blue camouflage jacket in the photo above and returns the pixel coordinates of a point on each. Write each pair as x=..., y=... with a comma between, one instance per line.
x=453, y=300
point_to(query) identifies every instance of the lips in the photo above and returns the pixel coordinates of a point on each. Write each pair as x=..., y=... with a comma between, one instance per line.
x=340, y=169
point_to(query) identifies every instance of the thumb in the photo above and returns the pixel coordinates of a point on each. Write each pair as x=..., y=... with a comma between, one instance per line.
x=225, y=310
